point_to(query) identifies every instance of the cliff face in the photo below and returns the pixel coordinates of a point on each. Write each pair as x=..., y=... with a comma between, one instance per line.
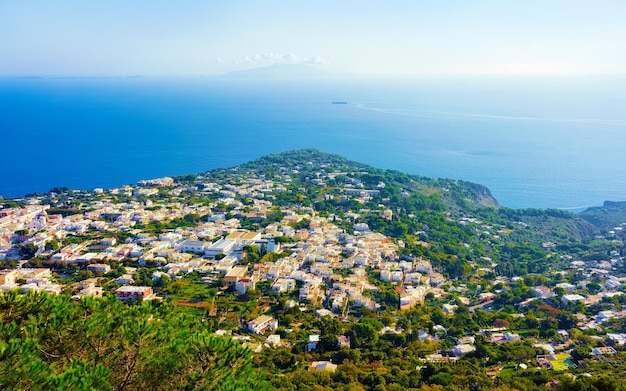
x=483, y=195
x=615, y=204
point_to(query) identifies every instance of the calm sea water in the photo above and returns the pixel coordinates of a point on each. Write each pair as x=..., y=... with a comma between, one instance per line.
x=534, y=142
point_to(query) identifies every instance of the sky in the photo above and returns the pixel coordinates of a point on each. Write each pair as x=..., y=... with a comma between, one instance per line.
x=416, y=37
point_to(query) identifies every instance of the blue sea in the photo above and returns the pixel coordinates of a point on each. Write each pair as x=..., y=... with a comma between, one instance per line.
x=535, y=142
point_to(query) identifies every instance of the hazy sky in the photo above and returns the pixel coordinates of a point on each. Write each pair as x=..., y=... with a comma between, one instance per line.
x=164, y=37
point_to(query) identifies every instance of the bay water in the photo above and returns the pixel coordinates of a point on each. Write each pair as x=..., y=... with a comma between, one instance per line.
x=534, y=141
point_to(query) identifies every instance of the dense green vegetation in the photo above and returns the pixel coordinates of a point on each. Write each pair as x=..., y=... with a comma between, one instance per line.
x=49, y=342
x=607, y=216
x=424, y=209
x=54, y=342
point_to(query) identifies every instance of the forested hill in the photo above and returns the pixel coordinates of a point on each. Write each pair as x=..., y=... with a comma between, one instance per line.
x=607, y=216
x=461, y=221
x=306, y=165
x=316, y=176
x=312, y=261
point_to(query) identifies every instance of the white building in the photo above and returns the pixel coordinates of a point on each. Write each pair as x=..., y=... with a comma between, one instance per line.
x=192, y=246
x=273, y=340
x=134, y=292
x=323, y=366
x=244, y=284
x=263, y=323
x=568, y=299
x=222, y=246
x=99, y=268
x=462, y=349
x=313, y=341
x=283, y=285
x=449, y=309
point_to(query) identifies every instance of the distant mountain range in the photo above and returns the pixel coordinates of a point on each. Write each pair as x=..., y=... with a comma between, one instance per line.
x=281, y=71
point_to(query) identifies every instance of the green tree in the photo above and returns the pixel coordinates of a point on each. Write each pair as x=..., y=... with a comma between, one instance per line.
x=365, y=334
x=52, y=245
x=594, y=287
x=55, y=342
x=28, y=250
x=581, y=352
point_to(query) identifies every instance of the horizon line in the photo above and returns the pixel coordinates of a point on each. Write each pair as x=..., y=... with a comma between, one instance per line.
x=326, y=76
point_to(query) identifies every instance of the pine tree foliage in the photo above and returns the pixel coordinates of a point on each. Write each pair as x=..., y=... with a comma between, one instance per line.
x=57, y=343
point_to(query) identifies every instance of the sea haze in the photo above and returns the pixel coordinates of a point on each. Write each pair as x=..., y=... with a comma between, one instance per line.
x=535, y=142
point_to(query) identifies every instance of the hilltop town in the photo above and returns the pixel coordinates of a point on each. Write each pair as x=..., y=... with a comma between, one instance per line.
x=324, y=266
